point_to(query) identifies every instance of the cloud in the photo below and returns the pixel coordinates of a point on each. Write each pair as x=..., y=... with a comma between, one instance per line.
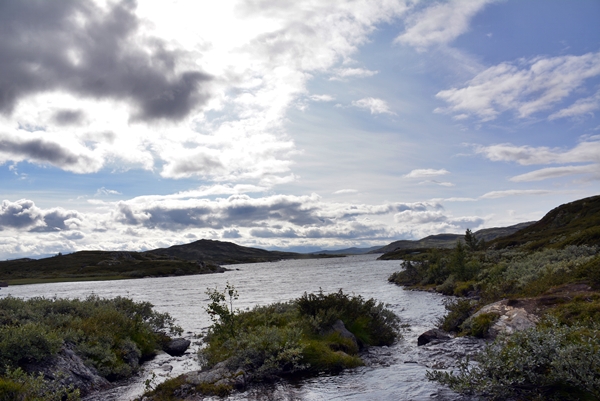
x=76, y=158
x=342, y=74
x=101, y=57
x=375, y=106
x=68, y=117
x=24, y=215
x=426, y=172
x=581, y=107
x=556, y=172
x=345, y=191
x=526, y=87
x=440, y=183
x=106, y=191
x=586, y=151
x=440, y=23
x=322, y=98
x=514, y=192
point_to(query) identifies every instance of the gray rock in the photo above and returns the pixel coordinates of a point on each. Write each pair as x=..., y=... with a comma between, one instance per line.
x=510, y=318
x=68, y=368
x=433, y=335
x=177, y=346
x=340, y=328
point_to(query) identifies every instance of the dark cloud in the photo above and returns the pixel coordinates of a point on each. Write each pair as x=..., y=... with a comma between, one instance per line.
x=68, y=117
x=75, y=46
x=21, y=214
x=41, y=151
x=25, y=215
x=233, y=233
x=55, y=220
x=239, y=211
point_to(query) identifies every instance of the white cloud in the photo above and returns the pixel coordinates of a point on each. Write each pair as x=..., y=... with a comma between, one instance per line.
x=374, y=105
x=345, y=191
x=526, y=87
x=344, y=73
x=322, y=98
x=440, y=183
x=581, y=107
x=440, y=23
x=426, y=172
x=556, y=172
x=514, y=192
x=587, y=151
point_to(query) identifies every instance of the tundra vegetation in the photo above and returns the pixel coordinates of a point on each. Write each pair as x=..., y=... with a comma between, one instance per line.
x=547, y=263
x=287, y=339
x=110, y=335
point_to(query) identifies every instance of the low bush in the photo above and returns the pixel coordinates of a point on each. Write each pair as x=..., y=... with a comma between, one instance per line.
x=458, y=310
x=296, y=336
x=479, y=325
x=112, y=335
x=16, y=385
x=548, y=362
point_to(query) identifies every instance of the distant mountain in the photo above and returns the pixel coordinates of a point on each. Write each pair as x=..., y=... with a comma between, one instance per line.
x=220, y=252
x=575, y=223
x=449, y=240
x=347, y=251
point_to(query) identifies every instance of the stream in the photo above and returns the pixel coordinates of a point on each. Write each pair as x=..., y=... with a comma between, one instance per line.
x=390, y=373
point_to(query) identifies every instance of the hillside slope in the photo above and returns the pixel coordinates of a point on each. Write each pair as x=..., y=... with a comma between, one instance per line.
x=574, y=223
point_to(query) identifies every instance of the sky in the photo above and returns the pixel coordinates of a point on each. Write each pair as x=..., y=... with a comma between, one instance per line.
x=296, y=125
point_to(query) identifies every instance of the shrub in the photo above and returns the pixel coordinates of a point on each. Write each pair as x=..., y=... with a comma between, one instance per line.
x=479, y=325
x=459, y=310
x=293, y=337
x=17, y=385
x=548, y=362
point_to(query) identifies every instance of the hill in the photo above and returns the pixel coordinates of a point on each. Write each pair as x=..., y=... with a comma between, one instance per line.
x=199, y=257
x=575, y=223
x=448, y=241
x=220, y=252
x=348, y=251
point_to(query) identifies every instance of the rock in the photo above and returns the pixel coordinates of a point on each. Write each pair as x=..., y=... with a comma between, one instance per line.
x=69, y=369
x=510, y=318
x=218, y=375
x=177, y=346
x=433, y=335
x=340, y=328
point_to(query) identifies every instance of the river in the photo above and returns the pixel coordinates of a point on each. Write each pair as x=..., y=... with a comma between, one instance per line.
x=391, y=373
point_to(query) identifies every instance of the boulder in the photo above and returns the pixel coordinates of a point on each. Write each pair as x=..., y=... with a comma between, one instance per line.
x=68, y=368
x=433, y=335
x=177, y=346
x=511, y=318
x=340, y=328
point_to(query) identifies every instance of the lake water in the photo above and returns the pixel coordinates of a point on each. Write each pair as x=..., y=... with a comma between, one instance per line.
x=394, y=373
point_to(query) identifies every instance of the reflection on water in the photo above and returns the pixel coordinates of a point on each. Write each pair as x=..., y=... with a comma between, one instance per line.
x=394, y=373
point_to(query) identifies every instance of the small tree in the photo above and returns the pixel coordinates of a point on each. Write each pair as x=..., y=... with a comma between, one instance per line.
x=220, y=309
x=472, y=242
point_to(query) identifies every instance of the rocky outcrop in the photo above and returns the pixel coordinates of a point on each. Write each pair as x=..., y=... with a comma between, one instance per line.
x=432, y=335
x=339, y=328
x=219, y=375
x=177, y=346
x=512, y=316
x=68, y=368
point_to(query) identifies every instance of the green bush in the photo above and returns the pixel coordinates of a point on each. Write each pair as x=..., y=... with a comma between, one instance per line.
x=479, y=325
x=548, y=362
x=111, y=334
x=294, y=337
x=459, y=310
x=17, y=385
